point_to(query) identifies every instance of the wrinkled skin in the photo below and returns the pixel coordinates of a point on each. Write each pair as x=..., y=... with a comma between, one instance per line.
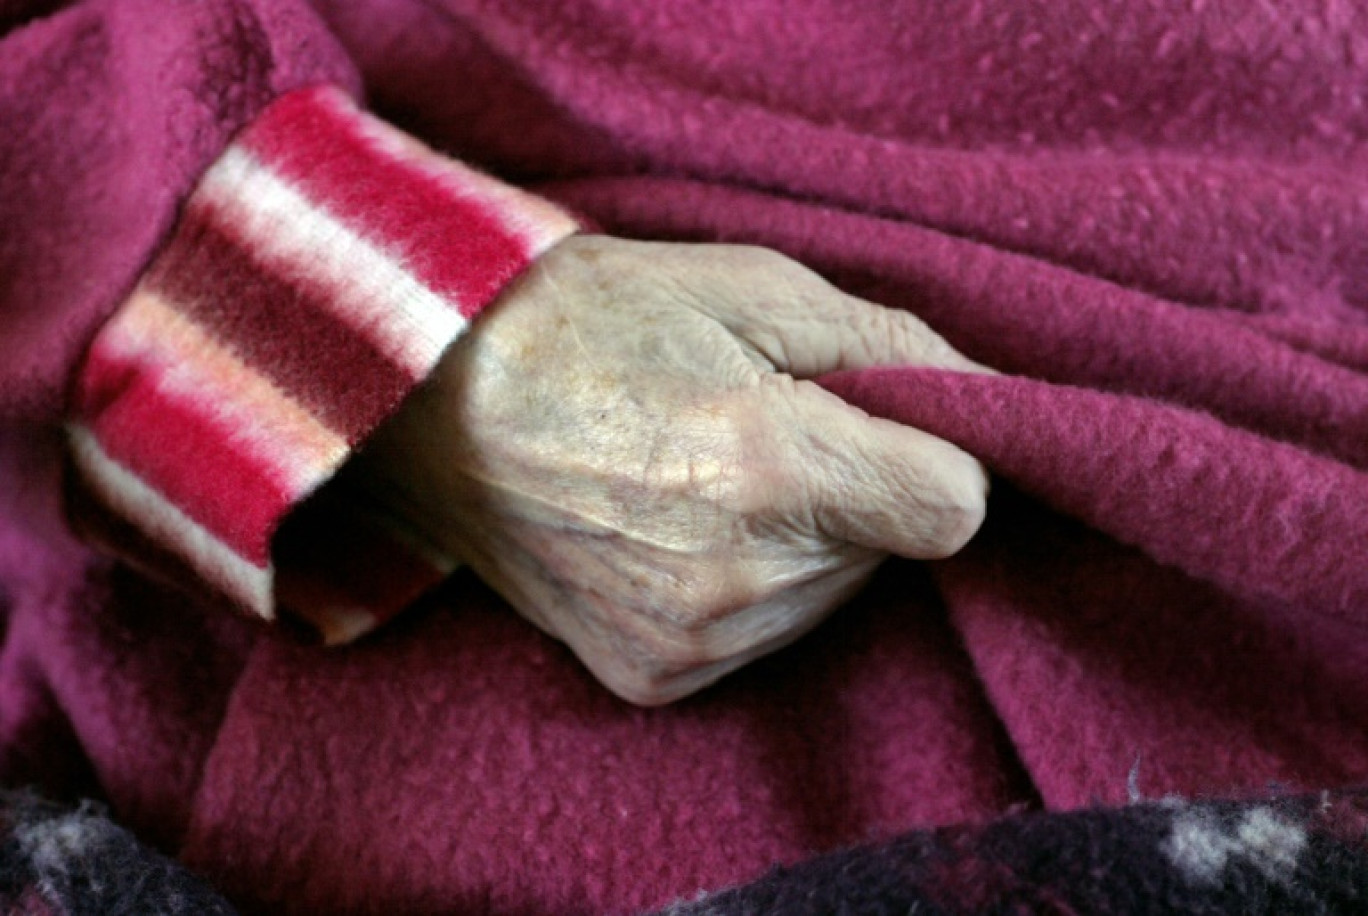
x=625, y=447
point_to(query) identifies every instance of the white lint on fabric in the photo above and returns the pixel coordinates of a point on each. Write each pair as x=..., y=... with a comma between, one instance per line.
x=1199, y=847
x=1202, y=847
x=1272, y=844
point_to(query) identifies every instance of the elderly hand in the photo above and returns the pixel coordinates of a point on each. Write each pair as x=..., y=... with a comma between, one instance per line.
x=624, y=446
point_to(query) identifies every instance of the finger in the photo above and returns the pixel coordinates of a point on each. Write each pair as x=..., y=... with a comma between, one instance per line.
x=807, y=327
x=878, y=483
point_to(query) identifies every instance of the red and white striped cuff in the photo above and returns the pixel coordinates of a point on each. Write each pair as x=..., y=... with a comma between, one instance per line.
x=318, y=272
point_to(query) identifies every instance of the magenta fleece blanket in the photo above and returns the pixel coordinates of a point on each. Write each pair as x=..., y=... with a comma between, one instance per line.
x=1152, y=217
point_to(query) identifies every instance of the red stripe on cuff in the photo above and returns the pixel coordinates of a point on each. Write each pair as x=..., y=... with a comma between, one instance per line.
x=458, y=246
x=279, y=326
x=178, y=447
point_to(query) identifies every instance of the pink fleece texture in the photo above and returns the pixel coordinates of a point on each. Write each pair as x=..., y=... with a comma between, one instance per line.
x=1152, y=216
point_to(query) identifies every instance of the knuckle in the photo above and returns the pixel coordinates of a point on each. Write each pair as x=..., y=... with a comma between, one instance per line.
x=762, y=257
x=794, y=275
x=632, y=666
x=651, y=675
x=911, y=336
x=637, y=689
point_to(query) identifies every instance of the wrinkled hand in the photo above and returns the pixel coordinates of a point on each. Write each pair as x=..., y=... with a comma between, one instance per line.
x=623, y=446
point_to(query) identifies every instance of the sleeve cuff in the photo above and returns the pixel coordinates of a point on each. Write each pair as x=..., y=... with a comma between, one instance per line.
x=318, y=272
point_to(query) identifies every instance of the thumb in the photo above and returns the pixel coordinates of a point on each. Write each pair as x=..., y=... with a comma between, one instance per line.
x=880, y=484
